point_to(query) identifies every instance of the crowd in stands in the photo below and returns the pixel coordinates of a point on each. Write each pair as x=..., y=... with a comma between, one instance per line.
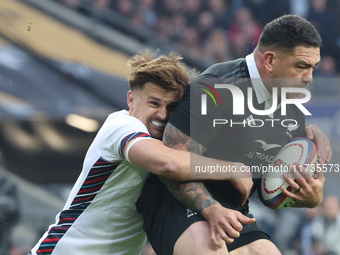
x=211, y=31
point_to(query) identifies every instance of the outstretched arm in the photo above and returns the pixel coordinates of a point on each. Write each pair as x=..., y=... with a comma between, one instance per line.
x=154, y=156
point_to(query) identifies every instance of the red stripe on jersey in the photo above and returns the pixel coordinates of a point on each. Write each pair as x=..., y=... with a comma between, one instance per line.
x=51, y=240
x=87, y=190
x=101, y=162
x=125, y=140
x=85, y=198
x=99, y=179
x=45, y=250
x=142, y=135
x=68, y=219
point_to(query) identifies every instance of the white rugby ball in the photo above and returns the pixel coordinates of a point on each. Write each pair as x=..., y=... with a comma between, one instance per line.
x=299, y=150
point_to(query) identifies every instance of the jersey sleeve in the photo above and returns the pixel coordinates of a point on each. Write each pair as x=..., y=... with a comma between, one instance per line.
x=116, y=134
x=200, y=108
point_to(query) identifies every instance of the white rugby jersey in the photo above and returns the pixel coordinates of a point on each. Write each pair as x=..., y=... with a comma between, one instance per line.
x=100, y=215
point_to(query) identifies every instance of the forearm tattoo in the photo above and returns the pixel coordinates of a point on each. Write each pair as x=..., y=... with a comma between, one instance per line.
x=194, y=195
x=176, y=139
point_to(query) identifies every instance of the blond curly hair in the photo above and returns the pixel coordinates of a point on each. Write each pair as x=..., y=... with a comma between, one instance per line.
x=167, y=72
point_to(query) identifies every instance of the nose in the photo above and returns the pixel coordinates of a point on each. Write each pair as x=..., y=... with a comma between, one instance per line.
x=308, y=76
x=162, y=113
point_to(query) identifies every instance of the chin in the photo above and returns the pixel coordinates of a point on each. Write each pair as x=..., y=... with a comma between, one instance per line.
x=293, y=95
x=156, y=135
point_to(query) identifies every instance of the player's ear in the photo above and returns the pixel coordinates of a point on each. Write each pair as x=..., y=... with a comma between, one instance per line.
x=130, y=98
x=269, y=58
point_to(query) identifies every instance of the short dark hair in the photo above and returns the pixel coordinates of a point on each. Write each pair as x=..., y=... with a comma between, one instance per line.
x=289, y=31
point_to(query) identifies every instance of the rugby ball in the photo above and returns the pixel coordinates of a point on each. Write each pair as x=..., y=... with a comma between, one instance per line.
x=299, y=150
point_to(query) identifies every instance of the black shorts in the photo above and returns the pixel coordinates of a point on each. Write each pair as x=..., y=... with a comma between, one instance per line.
x=165, y=219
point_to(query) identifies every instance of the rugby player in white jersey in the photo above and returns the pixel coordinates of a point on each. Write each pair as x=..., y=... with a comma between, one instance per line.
x=100, y=215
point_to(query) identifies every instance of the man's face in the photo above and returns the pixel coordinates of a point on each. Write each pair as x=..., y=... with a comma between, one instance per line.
x=296, y=69
x=153, y=106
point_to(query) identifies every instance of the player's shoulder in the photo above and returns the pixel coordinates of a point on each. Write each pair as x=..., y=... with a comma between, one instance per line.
x=122, y=117
x=122, y=120
x=227, y=69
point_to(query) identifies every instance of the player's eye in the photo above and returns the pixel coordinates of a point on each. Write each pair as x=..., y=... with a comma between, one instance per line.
x=154, y=103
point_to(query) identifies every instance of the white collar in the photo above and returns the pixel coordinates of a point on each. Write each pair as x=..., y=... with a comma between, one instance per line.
x=262, y=94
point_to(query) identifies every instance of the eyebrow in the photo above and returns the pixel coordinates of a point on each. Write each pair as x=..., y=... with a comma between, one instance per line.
x=154, y=98
x=306, y=64
x=157, y=99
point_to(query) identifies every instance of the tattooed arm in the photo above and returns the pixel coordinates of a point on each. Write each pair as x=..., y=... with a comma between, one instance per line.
x=196, y=196
x=192, y=194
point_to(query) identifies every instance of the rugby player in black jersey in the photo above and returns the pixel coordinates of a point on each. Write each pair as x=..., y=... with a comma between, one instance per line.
x=206, y=217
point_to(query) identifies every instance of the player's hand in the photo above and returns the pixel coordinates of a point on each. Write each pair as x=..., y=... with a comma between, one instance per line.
x=315, y=134
x=225, y=223
x=242, y=182
x=311, y=192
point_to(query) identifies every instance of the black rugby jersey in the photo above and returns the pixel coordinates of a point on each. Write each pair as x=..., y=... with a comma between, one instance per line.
x=234, y=137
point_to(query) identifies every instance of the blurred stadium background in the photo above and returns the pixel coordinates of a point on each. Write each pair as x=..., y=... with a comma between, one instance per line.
x=63, y=70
